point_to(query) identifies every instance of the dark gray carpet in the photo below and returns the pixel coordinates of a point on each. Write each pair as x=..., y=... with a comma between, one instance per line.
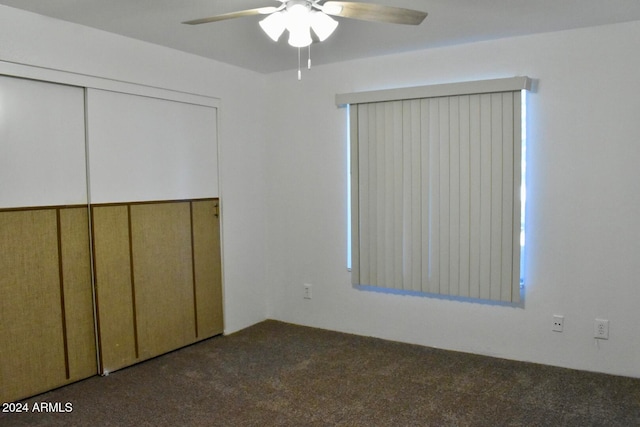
x=276, y=374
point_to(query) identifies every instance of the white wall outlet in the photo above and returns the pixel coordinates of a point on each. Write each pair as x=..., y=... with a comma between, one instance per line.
x=307, y=291
x=558, y=323
x=601, y=330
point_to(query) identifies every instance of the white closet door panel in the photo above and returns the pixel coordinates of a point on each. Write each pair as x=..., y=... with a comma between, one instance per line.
x=143, y=149
x=42, y=149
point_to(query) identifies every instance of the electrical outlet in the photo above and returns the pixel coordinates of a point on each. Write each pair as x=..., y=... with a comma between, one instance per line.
x=307, y=291
x=601, y=330
x=558, y=323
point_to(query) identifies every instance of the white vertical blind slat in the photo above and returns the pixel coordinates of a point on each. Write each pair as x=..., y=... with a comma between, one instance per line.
x=355, y=200
x=433, y=169
x=454, y=196
x=378, y=260
x=408, y=202
x=362, y=193
x=496, y=195
x=445, y=196
x=425, y=186
x=388, y=201
x=474, y=196
x=398, y=201
x=416, y=196
x=485, y=196
x=465, y=196
x=507, y=196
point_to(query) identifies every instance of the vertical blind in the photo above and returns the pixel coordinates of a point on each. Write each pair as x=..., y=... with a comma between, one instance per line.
x=436, y=191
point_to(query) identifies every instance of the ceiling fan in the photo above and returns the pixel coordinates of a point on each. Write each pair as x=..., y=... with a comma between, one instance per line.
x=299, y=17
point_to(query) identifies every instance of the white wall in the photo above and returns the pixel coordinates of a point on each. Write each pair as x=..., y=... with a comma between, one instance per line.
x=32, y=39
x=583, y=201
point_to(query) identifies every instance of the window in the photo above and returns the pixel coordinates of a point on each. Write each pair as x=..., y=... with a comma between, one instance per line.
x=436, y=188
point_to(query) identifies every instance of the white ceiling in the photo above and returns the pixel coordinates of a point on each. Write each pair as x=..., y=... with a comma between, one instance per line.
x=241, y=42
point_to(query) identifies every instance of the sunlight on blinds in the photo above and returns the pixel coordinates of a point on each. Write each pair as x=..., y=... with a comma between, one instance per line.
x=436, y=194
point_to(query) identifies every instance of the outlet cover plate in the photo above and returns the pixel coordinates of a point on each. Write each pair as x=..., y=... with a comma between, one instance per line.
x=601, y=329
x=558, y=323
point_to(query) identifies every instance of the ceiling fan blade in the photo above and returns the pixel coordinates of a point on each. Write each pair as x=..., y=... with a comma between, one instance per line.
x=373, y=12
x=232, y=15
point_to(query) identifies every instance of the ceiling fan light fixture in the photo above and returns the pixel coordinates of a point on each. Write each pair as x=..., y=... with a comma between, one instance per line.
x=274, y=25
x=298, y=23
x=323, y=25
x=300, y=37
x=299, y=18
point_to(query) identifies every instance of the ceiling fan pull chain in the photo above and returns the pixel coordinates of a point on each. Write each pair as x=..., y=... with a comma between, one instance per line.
x=309, y=60
x=299, y=72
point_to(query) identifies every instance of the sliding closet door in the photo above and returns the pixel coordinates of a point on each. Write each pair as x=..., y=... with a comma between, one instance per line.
x=206, y=247
x=154, y=198
x=46, y=312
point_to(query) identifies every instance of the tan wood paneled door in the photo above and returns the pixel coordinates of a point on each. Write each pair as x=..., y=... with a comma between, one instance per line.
x=158, y=278
x=47, y=336
x=47, y=330
x=207, y=267
x=154, y=196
